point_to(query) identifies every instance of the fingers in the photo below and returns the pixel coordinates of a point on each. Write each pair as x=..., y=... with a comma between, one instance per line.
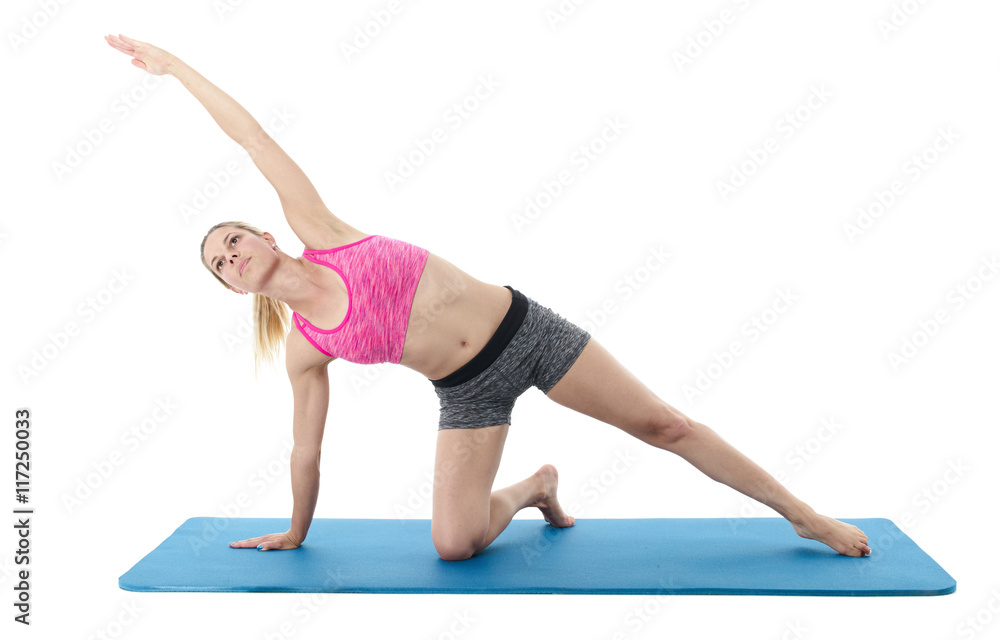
x=243, y=544
x=123, y=44
x=127, y=49
x=275, y=541
x=268, y=545
x=263, y=543
x=118, y=44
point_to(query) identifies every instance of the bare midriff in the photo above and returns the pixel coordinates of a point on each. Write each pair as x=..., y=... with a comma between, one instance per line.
x=452, y=317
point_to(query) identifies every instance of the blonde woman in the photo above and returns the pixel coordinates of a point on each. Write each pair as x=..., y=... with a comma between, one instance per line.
x=370, y=298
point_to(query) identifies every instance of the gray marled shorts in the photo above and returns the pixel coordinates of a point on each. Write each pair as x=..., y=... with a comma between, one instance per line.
x=533, y=347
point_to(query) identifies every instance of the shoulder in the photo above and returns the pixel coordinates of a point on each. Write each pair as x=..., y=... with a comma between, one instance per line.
x=326, y=233
x=301, y=355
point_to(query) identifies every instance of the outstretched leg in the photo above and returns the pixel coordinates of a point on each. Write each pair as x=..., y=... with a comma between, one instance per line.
x=597, y=385
x=467, y=515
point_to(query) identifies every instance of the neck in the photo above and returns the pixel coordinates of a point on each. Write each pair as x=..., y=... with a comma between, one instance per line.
x=297, y=283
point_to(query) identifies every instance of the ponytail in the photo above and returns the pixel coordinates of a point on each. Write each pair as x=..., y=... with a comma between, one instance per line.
x=270, y=325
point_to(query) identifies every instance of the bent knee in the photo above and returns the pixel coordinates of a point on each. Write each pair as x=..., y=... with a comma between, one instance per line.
x=454, y=550
x=453, y=545
x=669, y=426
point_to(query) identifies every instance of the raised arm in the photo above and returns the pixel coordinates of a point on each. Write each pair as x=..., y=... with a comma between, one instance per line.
x=304, y=210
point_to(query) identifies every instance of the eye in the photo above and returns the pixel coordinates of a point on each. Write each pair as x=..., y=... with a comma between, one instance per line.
x=218, y=265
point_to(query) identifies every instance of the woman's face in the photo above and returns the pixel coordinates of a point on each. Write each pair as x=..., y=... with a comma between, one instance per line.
x=242, y=259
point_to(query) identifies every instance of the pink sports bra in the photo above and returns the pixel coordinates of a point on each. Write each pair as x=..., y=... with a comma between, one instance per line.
x=381, y=275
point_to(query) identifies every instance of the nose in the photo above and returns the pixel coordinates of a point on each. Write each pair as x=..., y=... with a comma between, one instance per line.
x=235, y=258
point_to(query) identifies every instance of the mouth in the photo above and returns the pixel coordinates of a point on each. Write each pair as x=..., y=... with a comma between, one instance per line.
x=243, y=265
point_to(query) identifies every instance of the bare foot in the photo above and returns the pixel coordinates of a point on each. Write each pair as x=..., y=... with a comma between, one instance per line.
x=845, y=539
x=548, y=504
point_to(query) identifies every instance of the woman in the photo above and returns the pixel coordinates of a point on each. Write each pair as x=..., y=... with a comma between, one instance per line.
x=480, y=345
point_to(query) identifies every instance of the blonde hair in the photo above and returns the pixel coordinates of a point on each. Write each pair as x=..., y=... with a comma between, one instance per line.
x=271, y=317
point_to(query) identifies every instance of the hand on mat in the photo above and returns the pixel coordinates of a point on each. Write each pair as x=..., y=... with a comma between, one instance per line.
x=268, y=542
x=144, y=55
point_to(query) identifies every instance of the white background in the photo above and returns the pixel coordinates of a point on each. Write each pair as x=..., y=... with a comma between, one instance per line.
x=173, y=335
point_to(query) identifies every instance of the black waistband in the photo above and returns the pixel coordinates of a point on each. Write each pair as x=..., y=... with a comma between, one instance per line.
x=497, y=343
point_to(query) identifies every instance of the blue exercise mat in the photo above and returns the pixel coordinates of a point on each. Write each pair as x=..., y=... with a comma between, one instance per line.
x=737, y=556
